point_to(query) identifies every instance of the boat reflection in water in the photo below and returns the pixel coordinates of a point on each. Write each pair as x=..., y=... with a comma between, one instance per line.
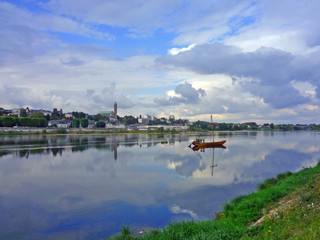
x=198, y=149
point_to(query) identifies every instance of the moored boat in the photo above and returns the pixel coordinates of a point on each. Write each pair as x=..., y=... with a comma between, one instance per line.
x=202, y=144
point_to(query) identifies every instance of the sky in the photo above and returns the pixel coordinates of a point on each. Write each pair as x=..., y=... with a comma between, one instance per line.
x=237, y=60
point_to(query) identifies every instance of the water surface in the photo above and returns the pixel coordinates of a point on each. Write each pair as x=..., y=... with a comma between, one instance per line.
x=81, y=187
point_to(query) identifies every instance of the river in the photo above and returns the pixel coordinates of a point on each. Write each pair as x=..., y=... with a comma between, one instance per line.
x=88, y=186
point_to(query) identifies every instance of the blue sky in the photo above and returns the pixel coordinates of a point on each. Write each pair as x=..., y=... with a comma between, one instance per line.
x=238, y=60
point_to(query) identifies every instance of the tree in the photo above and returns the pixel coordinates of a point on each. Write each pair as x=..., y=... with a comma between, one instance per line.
x=84, y=122
x=23, y=113
x=82, y=115
x=32, y=122
x=78, y=114
x=100, y=124
x=37, y=115
x=99, y=117
x=40, y=122
x=8, y=121
x=54, y=117
x=75, y=122
x=75, y=114
x=129, y=120
x=61, y=130
x=25, y=122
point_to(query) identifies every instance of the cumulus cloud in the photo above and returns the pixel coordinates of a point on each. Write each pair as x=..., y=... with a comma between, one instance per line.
x=184, y=93
x=269, y=72
x=107, y=97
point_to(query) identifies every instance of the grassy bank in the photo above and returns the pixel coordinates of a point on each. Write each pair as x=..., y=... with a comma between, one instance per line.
x=285, y=207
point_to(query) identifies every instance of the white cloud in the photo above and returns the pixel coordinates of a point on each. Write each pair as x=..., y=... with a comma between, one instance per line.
x=184, y=93
x=13, y=16
x=254, y=60
x=272, y=71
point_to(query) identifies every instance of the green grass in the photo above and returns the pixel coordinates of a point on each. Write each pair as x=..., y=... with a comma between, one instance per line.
x=240, y=213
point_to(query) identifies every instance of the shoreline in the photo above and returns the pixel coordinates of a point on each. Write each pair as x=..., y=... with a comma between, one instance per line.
x=285, y=206
x=78, y=131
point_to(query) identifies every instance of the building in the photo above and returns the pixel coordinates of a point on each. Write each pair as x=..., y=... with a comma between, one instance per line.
x=115, y=110
x=106, y=113
x=112, y=115
x=16, y=112
x=65, y=123
x=68, y=115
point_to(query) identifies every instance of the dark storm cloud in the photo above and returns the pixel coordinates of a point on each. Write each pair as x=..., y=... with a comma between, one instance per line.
x=271, y=71
x=186, y=94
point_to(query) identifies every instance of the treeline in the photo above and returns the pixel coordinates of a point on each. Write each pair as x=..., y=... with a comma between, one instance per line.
x=206, y=126
x=8, y=121
x=202, y=125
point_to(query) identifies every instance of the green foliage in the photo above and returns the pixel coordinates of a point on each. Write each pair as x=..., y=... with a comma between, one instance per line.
x=128, y=119
x=84, y=122
x=298, y=217
x=284, y=127
x=8, y=121
x=78, y=114
x=273, y=181
x=99, y=117
x=54, y=117
x=61, y=130
x=100, y=124
x=23, y=113
x=40, y=122
x=76, y=123
x=37, y=115
x=24, y=121
x=174, y=131
x=125, y=230
x=32, y=122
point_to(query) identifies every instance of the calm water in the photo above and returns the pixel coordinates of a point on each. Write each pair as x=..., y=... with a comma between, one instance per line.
x=80, y=187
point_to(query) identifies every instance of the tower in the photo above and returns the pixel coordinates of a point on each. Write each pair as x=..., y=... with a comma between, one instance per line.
x=115, y=108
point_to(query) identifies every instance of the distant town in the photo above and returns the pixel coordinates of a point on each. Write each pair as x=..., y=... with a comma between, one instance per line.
x=109, y=120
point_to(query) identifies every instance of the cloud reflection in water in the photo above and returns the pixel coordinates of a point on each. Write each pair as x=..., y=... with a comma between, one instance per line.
x=91, y=185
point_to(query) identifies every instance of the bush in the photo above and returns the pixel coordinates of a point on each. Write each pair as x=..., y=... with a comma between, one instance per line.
x=76, y=123
x=100, y=124
x=84, y=122
x=8, y=121
x=32, y=122
x=61, y=130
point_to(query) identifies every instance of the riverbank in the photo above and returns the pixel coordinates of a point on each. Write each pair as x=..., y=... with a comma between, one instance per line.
x=285, y=207
x=52, y=131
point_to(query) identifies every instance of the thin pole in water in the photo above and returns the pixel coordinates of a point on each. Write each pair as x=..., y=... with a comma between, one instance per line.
x=212, y=129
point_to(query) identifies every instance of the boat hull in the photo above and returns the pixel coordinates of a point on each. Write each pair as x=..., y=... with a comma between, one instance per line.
x=208, y=144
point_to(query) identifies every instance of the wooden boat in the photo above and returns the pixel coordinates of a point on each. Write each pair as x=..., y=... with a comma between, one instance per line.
x=207, y=144
x=196, y=148
x=201, y=144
